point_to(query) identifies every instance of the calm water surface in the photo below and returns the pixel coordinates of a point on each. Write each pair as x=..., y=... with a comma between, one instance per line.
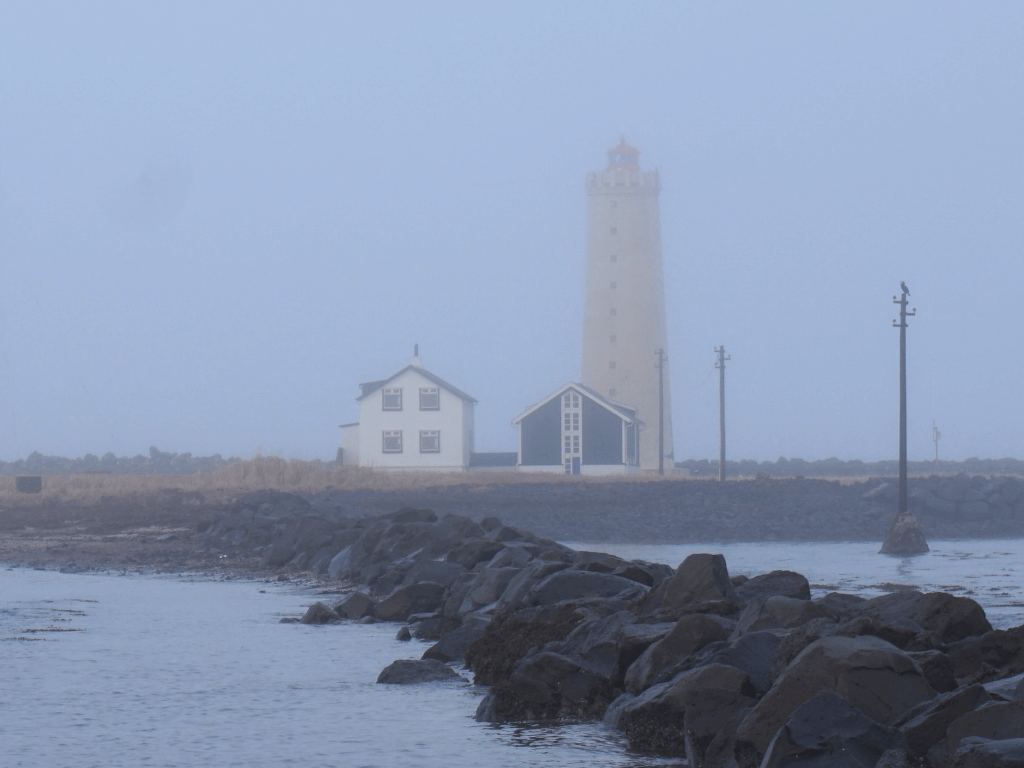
x=152, y=671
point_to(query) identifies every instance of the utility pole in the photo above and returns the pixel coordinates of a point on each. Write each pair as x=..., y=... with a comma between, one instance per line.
x=902, y=325
x=661, y=411
x=720, y=365
x=936, y=434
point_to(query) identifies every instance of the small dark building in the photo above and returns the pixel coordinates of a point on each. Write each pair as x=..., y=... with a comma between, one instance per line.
x=577, y=431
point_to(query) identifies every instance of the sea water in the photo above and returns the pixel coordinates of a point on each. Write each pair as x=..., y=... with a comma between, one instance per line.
x=106, y=671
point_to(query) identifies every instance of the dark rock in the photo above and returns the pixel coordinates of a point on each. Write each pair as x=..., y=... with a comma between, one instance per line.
x=794, y=642
x=423, y=597
x=689, y=635
x=976, y=752
x=410, y=515
x=574, y=585
x=752, y=653
x=516, y=557
x=412, y=671
x=318, y=613
x=994, y=720
x=699, y=578
x=648, y=574
x=597, y=562
x=784, y=583
x=873, y=675
x=612, y=643
x=289, y=620
x=683, y=716
x=828, y=730
x=905, y=537
x=1007, y=689
x=356, y=606
x=613, y=715
x=434, y=628
x=994, y=655
x=550, y=686
x=452, y=645
x=490, y=523
x=926, y=724
x=516, y=592
x=779, y=611
x=474, y=551
x=277, y=554
x=950, y=618
x=937, y=670
x=403, y=635
x=444, y=574
x=488, y=587
x=507, y=638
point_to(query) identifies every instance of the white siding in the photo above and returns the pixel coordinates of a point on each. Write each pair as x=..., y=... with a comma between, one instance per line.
x=453, y=420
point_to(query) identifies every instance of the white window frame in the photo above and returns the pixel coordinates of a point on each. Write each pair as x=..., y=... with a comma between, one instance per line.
x=428, y=435
x=436, y=392
x=391, y=434
x=385, y=393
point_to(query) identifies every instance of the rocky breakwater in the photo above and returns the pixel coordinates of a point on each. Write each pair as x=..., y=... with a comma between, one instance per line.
x=726, y=670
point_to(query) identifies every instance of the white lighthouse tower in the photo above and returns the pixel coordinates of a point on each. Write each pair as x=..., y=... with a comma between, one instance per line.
x=624, y=315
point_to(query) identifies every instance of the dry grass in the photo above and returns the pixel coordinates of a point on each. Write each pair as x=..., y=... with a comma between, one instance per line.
x=273, y=473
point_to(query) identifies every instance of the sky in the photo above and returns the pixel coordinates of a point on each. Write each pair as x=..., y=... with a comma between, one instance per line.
x=216, y=219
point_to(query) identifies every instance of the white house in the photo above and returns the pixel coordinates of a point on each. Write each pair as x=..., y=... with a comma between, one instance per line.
x=574, y=430
x=411, y=420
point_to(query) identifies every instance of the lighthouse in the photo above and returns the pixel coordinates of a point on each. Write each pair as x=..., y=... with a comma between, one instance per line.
x=624, y=306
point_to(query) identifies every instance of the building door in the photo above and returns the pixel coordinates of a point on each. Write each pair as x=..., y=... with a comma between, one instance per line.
x=572, y=433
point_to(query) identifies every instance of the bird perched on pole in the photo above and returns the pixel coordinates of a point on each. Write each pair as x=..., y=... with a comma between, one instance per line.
x=904, y=287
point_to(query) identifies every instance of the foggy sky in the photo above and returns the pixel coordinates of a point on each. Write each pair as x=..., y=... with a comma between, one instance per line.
x=217, y=219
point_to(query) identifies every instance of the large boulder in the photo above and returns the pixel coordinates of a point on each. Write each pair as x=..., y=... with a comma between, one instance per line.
x=575, y=585
x=424, y=597
x=691, y=633
x=828, y=730
x=779, y=612
x=1007, y=689
x=412, y=671
x=976, y=752
x=683, y=715
x=926, y=724
x=873, y=675
x=452, y=645
x=488, y=587
x=474, y=551
x=494, y=655
x=700, y=578
x=993, y=656
x=318, y=613
x=612, y=643
x=549, y=686
x=356, y=606
x=753, y=653
x=950, y=618
x=785, y=583
x=994, y=720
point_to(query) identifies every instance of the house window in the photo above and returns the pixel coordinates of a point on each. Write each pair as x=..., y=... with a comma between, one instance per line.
x=613, y=258
x=576, y=422
x=575, y=444
x=568, y=445
x=611, y=365
x=568, y=466
x=430, y=441
x=393, y=441
x=430, y=400
x=393, y=400
x=567, y=425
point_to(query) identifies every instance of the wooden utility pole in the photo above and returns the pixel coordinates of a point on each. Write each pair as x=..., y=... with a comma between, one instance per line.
x=720, y=365
x=936, y=435
x=902, y=325
x=661, y=411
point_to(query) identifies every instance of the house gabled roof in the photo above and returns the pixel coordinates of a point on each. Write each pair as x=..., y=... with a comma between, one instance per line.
x=370, y=387
x=624, y=412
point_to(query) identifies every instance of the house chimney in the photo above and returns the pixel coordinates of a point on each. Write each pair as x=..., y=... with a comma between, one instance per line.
x=416, y=356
